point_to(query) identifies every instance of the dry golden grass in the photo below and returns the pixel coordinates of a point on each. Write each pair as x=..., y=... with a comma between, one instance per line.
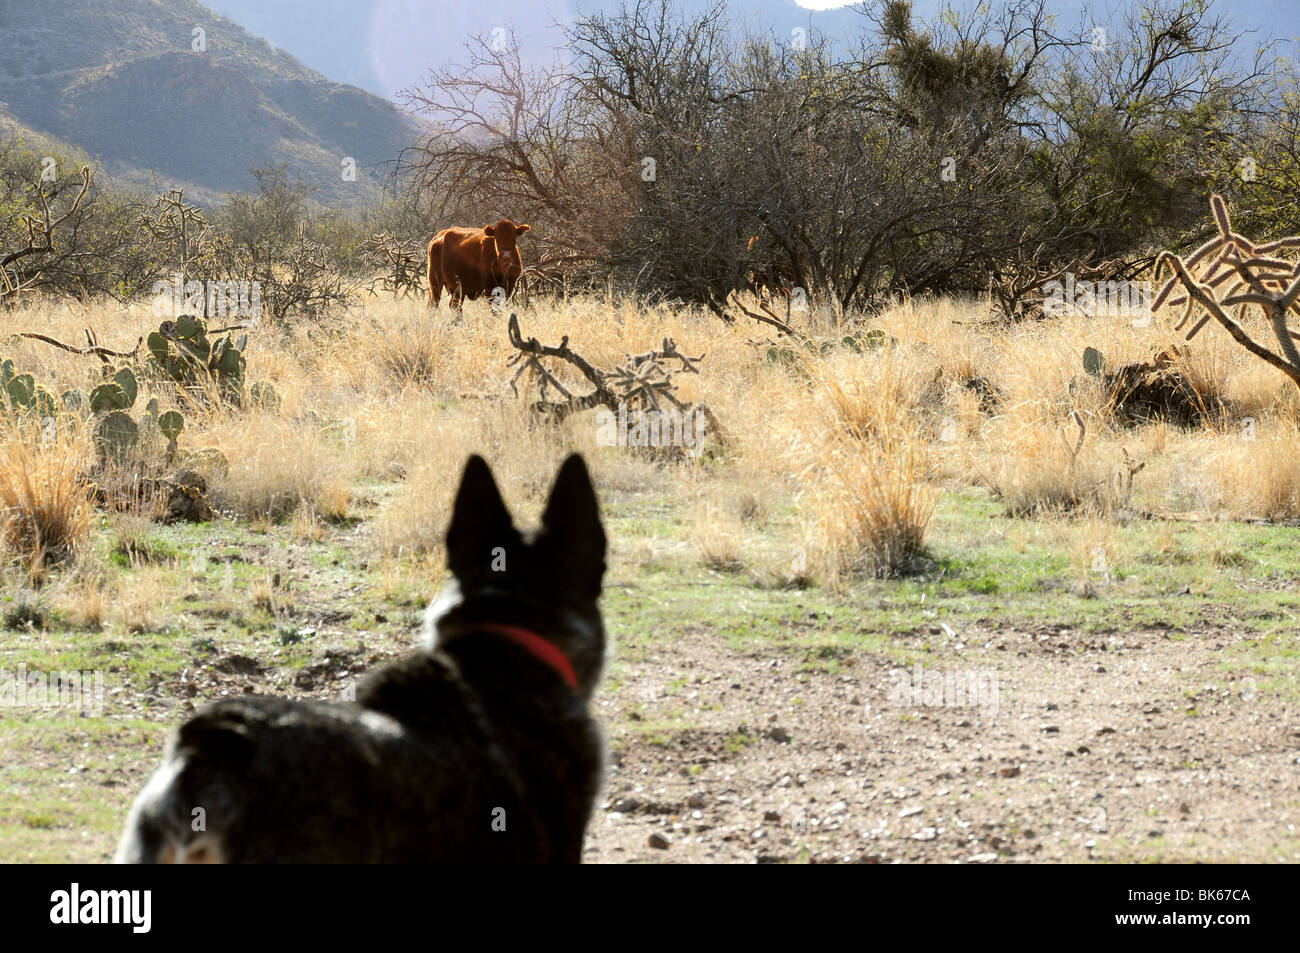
x=838, y=456
x=45, y=494
x=277, y=464
x=871, y=506
x=1256, y=472
x=1042, y=472
x=868, y=465
x=141, y=601
x=719, y=537
x=82, y=603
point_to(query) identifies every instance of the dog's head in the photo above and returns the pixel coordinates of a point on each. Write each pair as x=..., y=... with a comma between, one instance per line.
x=547, y=581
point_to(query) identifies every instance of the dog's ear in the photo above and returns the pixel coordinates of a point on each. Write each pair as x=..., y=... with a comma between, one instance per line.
x=481, y=529
x=222, y=738
x=571, y=529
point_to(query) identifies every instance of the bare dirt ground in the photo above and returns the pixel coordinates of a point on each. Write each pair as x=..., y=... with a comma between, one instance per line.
x=1097, y=752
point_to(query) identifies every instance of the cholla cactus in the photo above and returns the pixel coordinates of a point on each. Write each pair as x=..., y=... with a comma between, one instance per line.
x=1230, y=271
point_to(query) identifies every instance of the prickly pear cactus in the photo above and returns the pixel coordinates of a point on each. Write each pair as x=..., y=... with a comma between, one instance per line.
x=116, y=435
x=182, y=352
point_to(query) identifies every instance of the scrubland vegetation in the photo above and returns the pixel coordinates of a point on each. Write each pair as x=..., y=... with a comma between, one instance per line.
x=910, y=457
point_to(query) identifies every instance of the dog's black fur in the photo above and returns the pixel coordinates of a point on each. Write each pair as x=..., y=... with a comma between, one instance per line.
x=471, y=749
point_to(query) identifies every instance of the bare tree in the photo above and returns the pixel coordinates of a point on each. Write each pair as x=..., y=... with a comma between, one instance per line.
x=39, y=242
x=511, y=141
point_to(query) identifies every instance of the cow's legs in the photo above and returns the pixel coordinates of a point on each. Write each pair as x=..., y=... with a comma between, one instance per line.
x=435, y=274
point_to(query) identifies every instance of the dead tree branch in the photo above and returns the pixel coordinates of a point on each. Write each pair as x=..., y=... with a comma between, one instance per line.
x=632, y=389
x=92, y=346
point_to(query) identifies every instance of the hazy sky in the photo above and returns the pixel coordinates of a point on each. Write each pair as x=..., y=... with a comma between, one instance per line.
x=389, y=45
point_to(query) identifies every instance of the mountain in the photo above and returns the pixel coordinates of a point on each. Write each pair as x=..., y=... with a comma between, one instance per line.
x=388, y=45
x=167, y=92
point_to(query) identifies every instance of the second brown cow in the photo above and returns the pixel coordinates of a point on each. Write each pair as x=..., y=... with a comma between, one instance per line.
x=473, y=262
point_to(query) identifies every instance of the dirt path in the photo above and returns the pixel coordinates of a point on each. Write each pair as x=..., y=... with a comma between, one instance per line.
x=1140, y=748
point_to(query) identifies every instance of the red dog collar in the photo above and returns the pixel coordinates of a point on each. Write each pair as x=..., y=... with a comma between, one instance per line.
x=538, y=646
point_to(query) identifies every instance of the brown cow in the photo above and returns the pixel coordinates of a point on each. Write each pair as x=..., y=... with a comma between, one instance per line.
x=472, y=262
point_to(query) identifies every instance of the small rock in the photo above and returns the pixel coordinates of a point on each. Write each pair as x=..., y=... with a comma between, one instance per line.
x=658, y=841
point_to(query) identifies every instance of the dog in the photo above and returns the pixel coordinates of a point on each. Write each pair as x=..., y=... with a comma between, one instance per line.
x=479, y=747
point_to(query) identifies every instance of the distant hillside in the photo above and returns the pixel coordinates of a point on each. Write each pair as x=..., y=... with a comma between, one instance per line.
x=120, y=78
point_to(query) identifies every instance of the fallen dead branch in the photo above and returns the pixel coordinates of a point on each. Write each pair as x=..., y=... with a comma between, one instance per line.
x=641, y=386
x=768, y=316
x=92, y=346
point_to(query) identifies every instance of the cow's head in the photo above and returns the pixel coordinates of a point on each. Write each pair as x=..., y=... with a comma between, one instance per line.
x=506, y=232
x=507, y=265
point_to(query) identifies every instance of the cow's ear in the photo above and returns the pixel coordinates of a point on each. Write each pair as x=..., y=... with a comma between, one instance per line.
x=489, y=230
x=524, y=228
